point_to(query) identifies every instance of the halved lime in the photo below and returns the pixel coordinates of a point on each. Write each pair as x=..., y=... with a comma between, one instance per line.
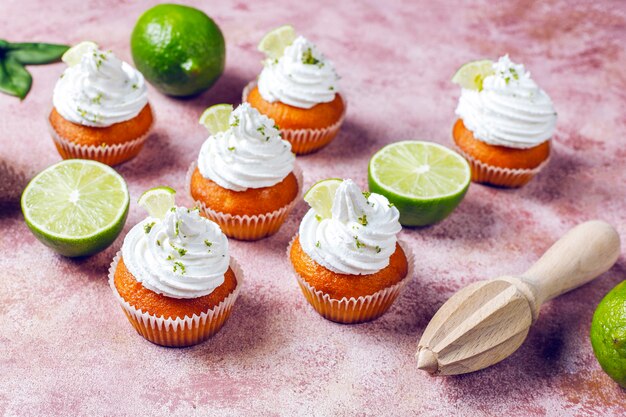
x=216, y=117
x=274, y=42
x=321, y=195
x=424, y=180
x=472, y=74
x=77, y=207
x=74, y=55
x=157, y=201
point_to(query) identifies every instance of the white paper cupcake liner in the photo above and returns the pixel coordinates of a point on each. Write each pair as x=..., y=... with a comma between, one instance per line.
x=355, y=310
x=304, y=141
x=110, y=154
x=181, y=331
x=502, y=177
x=248, y=227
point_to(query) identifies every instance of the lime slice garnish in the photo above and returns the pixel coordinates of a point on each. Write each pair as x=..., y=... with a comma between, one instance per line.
x=472, y=74
x=425, y=181
x=321, y=195
x=157, y=201
x=74, y=55
x=77, y=207
x=274, y=43
x=216, y=117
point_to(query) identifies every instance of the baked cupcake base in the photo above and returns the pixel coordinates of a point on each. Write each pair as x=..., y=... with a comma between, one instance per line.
x=247, y=227
x=305, y=141
x=498, y=176
x=355, y=309
x=178, y=332
x=499, y=165
x=110, y=154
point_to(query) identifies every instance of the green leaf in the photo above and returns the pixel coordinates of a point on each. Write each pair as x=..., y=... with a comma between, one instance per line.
x=36, y=53
x=3, y=44
x=14, y=79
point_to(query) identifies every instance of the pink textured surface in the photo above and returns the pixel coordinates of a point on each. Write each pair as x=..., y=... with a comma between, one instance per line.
x=67, y=349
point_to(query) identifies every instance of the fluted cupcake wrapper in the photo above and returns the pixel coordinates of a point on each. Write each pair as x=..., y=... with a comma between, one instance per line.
x=110, y=154
x=181, y=331
x=502, y=177
x=248, y=227
x=360, y=309
x=304, y=141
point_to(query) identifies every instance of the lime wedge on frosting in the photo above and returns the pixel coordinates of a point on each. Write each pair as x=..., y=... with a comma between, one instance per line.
x=472, y=74
x=321, y=196
x=216, y=118
x=274, y=43
x=157, y=201
x=74, y=55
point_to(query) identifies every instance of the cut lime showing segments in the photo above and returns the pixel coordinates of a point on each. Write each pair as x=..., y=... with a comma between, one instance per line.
x=216, y=118
x=472, y=74
x=424, y=180
x=157, y=201
x=74, y=55
x=321, y=196
x=77, y=207
x=274, y=43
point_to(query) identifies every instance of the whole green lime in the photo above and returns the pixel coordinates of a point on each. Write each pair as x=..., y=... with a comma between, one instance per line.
x=608, y=333
x=179, y=49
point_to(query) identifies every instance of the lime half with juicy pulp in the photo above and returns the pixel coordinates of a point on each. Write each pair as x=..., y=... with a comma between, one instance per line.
x=274, y=42
x=321, y=196
x=472, y=74
x=158, y=201
x=424, y=180
x=77, y=207
x=216, y=118
x=74, y=55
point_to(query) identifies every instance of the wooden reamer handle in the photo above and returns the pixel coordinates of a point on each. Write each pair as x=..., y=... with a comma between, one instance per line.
x=582, y=254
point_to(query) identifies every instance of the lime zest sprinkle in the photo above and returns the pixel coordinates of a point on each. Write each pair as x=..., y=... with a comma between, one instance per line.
x=318, y=217
x=363, y=220
x=209, y=244
x=179, y=265
x=378, y=249
x=236, y=122
x=359, y=244
x=148, y=227
x=318, y=244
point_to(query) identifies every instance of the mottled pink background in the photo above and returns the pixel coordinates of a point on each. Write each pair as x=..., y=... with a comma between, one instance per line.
x=67, y=349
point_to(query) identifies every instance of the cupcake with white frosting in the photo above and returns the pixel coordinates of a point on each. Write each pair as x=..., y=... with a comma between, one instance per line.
x=245, y=178
x=348, y=261
x=100, y=107
x=505, y=123
x=174, y=277
x=299, y=89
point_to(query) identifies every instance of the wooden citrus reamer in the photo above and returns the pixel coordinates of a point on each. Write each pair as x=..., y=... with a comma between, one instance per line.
x=487, y=321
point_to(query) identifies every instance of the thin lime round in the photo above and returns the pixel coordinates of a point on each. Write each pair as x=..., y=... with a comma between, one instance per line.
x=424, y=180
x=158, y=201
x=179, y=49
x=76, y=207
x=273, y=44
x=216, y=118
x=472, y=74
x=608, y=333
x=321, y=196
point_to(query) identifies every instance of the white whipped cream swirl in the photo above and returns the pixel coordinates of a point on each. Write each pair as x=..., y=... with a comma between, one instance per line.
x=182, y=256
x=249, y=154
x=510, y=110
x=302, y=77
x=100, y=91
x=360, y=236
